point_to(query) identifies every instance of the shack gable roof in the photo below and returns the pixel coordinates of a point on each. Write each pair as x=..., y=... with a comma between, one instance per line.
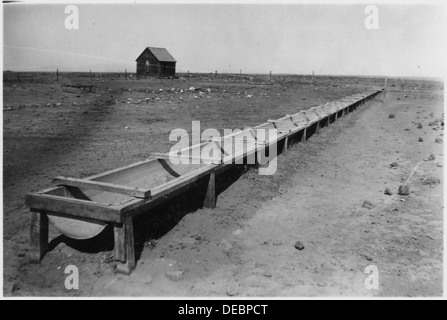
x=161, y=54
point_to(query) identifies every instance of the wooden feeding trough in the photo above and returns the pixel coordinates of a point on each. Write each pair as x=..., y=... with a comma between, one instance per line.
x=77, y=88
x=81, y=208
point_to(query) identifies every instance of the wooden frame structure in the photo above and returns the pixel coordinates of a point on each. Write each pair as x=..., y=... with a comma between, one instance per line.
x=115, y=197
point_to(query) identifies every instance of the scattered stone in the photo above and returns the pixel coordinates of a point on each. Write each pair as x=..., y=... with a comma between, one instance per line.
x=438, y=140
x=419, y=125
x=208, y=90
x=431, y=181
x=148, y=279
x=420, y=139
x=278, y=243
x=10, y=287
x=388, y=192
x=192, y=89
x=237, y=232
x=404, y=190
x=299, y=245
x=231, y=291
x=394, y=165
x=321, y=284
x=432, y=123
x=226, y=246
x=440, y=165
x=431, y=157
x=368, y=205
x=174, y=275
x=391, y=116
x=268, y=274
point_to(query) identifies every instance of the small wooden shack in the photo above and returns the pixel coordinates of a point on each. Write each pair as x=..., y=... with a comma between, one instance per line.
x=155, y=62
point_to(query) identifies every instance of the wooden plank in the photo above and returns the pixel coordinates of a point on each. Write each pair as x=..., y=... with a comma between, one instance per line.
x=168, y=156
x=103, y=186
x=235, y=139
x=38, y=235
x=120, y=170
x=210, y=196
x=74, y=207
x=180, y=182
x=119, y=240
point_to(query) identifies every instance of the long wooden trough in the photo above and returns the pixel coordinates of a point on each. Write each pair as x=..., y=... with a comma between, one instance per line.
x=82, y=208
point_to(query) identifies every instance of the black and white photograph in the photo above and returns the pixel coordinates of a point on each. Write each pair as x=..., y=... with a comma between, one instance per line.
x=223, y=150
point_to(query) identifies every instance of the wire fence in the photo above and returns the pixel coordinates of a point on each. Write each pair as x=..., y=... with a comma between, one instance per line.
x=60, y=76
x=157, y=71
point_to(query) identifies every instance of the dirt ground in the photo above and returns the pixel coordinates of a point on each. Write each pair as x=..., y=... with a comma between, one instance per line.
x=244, y=247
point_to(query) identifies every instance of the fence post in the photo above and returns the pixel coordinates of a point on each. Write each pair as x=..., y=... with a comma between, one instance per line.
x=57, y=75
x=125, y=74
x=385, y=89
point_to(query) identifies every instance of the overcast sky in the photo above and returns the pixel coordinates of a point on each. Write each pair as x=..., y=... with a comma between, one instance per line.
x=330, y=39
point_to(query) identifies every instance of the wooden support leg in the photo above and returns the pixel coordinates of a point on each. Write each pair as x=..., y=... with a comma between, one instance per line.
x=129, y=246
x=210, y=196
x=317, y=130
x=120, y=249
x=38, y=235
x=303, y=138
x=286, y=142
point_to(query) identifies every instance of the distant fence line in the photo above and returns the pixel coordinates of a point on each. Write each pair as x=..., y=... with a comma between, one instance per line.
x=64, y=76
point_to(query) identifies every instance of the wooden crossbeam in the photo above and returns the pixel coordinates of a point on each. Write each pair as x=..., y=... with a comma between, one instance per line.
x=103, y=186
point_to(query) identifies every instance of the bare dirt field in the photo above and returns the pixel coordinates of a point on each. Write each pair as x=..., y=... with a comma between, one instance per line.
x=328, y=193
